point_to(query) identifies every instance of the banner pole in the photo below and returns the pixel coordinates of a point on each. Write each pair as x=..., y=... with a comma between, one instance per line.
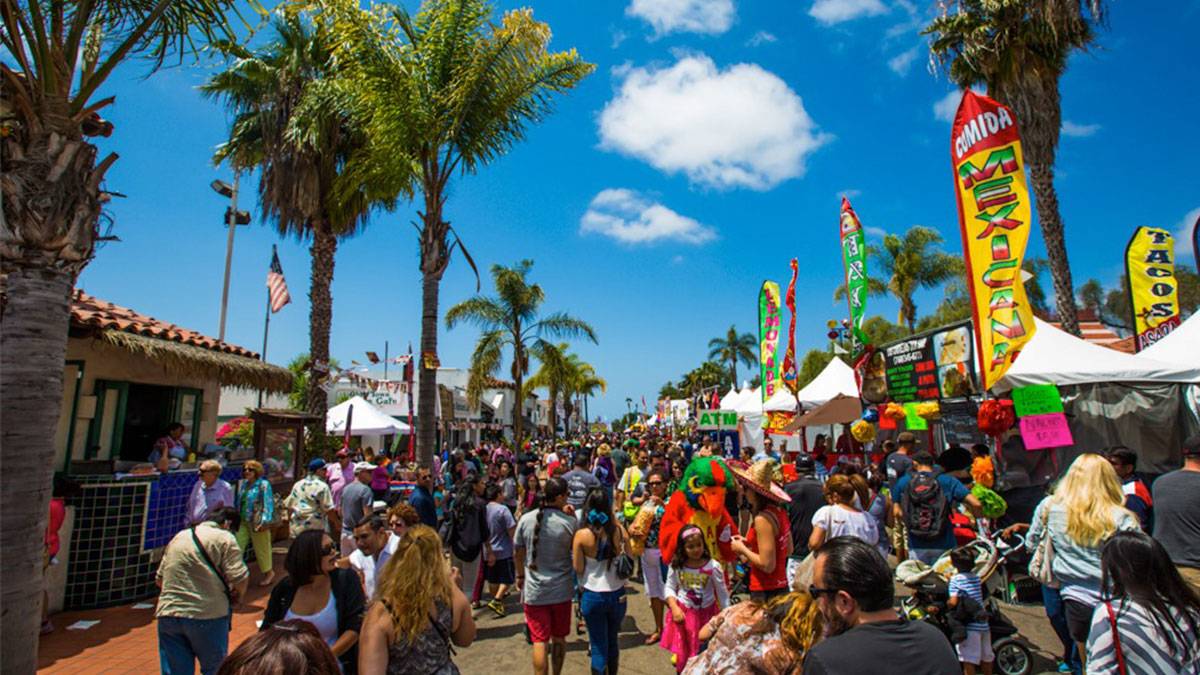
x=266, y=332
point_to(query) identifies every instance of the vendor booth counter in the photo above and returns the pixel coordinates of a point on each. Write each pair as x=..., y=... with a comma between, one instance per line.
x=124, y=521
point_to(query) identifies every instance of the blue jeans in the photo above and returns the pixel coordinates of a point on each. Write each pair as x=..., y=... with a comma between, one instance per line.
x=603, y=613
x=181, y=642
x=1052, y=599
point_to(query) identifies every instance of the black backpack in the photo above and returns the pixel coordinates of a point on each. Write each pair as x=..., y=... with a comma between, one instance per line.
x=926, y=509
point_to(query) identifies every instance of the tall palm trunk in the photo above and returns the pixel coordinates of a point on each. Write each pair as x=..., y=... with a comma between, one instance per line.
x=733, y=370
x=1041, y=177
x=518, y=379
x=553, y=396
x=33, y=330
x=435, y=255
x=320, y=317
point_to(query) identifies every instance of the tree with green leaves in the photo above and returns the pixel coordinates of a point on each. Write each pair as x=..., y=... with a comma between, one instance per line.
x=1114, y=308
x=511, y=320
x=300, y=140
x=732, y=348
x=582, y=383
x=438, y=95
x=56, y=57
x=909, y=262
x=552, y=375
x=1019, y=49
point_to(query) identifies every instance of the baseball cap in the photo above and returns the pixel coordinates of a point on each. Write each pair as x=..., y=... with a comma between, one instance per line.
x=1192, y=445
x=906, y=437
x=363, y=466
x=805, y=463
x=316, y=464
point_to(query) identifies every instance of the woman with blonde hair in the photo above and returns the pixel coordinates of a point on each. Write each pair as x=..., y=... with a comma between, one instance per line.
x=1085, y=509
x=754, y=638
x=256, y=505
x=419, y=614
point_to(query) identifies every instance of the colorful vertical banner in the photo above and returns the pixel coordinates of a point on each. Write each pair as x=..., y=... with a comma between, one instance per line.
x=790, y=373
x=1196, y=243
x=769, y=322
x=1153, y=290
x=854, y=257
x=994, y=214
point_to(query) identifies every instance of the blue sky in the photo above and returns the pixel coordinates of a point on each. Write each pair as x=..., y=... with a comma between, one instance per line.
x=711, y=145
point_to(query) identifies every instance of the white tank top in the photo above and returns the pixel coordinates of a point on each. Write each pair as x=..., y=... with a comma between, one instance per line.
x=601, y=575
x=325, y=621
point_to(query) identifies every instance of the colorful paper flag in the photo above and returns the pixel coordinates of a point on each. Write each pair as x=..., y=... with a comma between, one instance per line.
x=854, y=258
x=769, y=322
x=1153, y=290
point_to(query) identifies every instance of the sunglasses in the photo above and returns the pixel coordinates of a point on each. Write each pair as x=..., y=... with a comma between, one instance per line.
x=818, y=592
x=654, y=482
x=328, y=550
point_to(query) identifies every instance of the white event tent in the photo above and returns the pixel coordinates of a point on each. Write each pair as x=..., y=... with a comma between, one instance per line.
x=1181, y=346
x=836, y=378
x=366, y=420
x=1056, y=357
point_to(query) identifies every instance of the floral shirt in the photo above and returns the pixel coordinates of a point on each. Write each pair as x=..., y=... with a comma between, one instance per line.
x=307, y=505
x=256, y=496
x=652, y=533
x=746, y=642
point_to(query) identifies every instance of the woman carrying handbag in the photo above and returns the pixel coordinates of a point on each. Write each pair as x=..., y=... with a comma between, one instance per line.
x=256, y=505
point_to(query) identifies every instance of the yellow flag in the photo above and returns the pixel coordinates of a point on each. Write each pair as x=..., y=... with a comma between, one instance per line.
x=994, y=213
x=1153, y=289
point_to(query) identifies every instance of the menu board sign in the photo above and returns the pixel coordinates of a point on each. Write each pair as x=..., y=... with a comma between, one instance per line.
x=931, y=366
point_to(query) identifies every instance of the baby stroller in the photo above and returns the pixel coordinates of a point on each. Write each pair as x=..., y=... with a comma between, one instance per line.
x=930, y=597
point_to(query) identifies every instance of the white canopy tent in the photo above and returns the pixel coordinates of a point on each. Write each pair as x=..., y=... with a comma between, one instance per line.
x=366, y=420
x=837, y=378
x=729, y=401
x=1056, y=357
x=1181, y=346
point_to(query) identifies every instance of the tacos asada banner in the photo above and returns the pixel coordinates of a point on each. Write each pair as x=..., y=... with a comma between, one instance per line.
x=1153, y=289
x=854, y=257
x=994, y=214
x=769, y=322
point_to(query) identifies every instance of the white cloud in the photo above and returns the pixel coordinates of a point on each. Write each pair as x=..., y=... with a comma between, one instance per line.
x=740, y=127
x=1074, y=130
x=901, y=62
x=711, y=17
x=875, y=232
x=848, y=193
x=830, y=12
x=618, y=37
x=946, y=106
x=1184, y=245
x=631, y=218
x=677, y=260
x=762, y=37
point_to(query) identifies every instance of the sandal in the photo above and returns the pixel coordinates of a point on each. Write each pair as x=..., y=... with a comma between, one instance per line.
x=654, y=638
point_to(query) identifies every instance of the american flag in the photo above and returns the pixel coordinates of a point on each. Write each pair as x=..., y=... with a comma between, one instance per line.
x=276, y=284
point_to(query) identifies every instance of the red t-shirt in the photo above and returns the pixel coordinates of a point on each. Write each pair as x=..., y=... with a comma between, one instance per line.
x=759, y=580
x=58, y=513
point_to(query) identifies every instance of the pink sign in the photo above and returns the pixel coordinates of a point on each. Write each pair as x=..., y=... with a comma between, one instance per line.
x=1045, y=431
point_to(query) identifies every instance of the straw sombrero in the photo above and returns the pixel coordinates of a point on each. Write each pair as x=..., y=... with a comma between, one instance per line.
x=757, y=477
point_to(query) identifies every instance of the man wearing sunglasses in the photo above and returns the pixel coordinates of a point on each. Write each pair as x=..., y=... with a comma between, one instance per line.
x=853, y=588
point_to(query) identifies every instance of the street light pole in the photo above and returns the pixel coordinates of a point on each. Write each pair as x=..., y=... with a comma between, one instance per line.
x=231, y=222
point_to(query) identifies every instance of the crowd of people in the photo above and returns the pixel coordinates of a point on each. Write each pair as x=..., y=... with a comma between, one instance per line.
x=771, y=562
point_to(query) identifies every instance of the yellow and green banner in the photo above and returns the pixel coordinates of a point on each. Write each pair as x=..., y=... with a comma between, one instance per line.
x=770, y=318
x=1153, y=290
x=994, y=214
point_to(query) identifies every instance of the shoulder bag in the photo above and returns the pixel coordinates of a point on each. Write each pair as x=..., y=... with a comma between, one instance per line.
x=1042, y=563
x=220, y=577
x=1120, y=653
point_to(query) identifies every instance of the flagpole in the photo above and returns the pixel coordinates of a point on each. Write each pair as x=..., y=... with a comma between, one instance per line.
x=266, y=331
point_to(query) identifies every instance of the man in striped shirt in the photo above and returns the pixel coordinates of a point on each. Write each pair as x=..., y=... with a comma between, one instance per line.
x=976, y=649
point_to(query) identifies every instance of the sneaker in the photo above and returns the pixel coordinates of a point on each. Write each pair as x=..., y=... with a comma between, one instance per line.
x=497, y=607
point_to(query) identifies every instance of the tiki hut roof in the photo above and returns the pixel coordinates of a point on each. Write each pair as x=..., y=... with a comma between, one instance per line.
x=177, y=349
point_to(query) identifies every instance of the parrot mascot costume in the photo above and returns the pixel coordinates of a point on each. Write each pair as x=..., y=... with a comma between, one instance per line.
x=700, y=501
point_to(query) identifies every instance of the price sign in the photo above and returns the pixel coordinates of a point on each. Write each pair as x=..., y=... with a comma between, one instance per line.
x=1046, y=431
x=1037, y=399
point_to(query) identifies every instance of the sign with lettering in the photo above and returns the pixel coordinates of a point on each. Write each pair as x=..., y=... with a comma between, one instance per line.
x=1037, y=399
x=994, y=214
x=931, y=366
x=770, y=320
x=717, y=419
x=913, y=421
x=1046, y=431
x=1153, y=289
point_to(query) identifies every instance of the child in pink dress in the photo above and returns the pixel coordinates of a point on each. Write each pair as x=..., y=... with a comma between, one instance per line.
x=695, y=593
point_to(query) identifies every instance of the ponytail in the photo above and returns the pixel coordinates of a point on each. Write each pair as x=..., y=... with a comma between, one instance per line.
x=553, y=489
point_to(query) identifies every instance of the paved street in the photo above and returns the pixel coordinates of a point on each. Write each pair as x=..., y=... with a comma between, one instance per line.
x=125, y=640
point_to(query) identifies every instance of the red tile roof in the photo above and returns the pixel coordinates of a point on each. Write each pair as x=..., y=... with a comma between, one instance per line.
x=92, y=312
x=1096, y=332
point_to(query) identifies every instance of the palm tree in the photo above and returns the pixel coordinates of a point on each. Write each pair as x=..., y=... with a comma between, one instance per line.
x=301, y=140
x=551, y=375
x=1019, y=50
x=56, y=56
x=582, y=381
x=443, y=93
x=732, y=348
x=910, y=262
x=511, y=319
